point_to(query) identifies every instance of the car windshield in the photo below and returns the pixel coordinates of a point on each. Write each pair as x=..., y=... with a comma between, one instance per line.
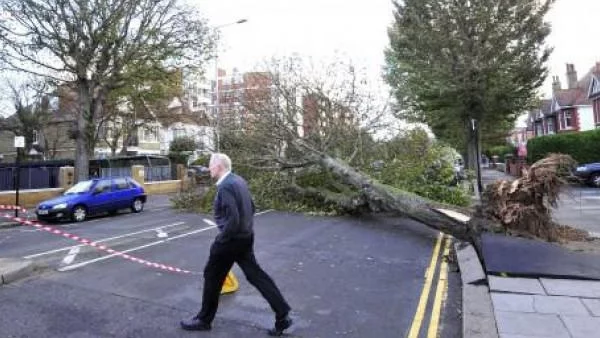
x=79, y=188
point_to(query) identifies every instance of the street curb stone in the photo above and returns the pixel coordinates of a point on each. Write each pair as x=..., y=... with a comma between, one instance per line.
x=8, y=225
x=478, y=313
x=14, y=269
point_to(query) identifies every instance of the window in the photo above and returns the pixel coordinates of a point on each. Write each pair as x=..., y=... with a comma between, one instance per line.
x=179, y=132
x=35, y=139
x=102, y=186
x=539, y=130
x=121, y=184
x=550, y=123
x=150, y=134
x=568, y=119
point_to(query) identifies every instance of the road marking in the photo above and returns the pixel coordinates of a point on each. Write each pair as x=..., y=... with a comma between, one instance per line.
x=158, y=209
x=440, y=293
x=99, y=259
x=161, y=234
x=70, y=257
x=415, y=328
x=101, y=240
x=264, y=212
x=590, y=207
x=209, y=222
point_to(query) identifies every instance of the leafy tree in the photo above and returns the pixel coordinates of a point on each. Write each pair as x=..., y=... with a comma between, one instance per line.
x=99, y=46
x=452, y=63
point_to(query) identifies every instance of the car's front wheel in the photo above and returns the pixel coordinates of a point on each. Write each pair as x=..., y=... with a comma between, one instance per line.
x=79, y=213
x=595, y=180
x=137, y=205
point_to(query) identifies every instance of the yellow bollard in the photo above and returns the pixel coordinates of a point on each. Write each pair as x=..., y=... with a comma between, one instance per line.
x=231, y=283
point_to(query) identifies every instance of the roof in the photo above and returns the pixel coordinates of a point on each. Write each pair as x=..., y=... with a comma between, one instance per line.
x=572, y=97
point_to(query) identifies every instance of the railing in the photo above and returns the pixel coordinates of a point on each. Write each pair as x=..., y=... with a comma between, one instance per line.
x=30, y=178
x=115, y=172
x=158, y=173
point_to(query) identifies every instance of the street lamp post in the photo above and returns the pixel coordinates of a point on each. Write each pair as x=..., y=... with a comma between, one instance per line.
x=19, y=144
x=217, y=98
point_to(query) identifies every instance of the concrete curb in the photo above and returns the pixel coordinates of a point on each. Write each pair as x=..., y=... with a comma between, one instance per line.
x=8, y=225
x=478, y=313
x=14, y=269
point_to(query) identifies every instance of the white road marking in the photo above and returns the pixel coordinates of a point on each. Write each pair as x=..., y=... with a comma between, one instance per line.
x=264, y=212
x=161, y=234
x=70, y=257
x=158, y=209
x=209, y=222
x=82, y=264
x=591, y=207
x=101, y=240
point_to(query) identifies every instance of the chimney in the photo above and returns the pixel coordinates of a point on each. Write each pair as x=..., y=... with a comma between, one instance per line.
x=556, y=84
x=571, y=76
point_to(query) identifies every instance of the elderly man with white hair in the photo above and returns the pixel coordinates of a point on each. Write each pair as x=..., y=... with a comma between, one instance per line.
x=234, y=215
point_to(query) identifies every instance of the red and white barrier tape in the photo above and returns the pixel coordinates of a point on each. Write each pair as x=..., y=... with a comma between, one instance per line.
x=12, y=207
x=94, y=244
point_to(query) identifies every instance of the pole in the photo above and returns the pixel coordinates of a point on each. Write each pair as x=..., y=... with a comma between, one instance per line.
x=217, y=102
x=17, y=181
x=477, y=157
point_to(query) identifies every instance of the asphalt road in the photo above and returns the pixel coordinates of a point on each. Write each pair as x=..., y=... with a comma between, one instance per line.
x=344, y=277
x=580, y=207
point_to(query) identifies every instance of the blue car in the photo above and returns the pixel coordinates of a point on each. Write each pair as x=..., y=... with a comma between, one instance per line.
x=93, y=197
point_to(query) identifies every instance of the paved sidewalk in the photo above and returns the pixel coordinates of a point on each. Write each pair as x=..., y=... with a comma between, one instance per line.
x=552, y=308
x=489, y=176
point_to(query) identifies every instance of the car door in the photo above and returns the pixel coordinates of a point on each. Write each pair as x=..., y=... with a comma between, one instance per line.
x=102, y=198
x=122, y=192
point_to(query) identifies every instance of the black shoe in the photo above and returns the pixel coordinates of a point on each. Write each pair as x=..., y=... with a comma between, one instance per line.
x=280, y=326
x=195, y=324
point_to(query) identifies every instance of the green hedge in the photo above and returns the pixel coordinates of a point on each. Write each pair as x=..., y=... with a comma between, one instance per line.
x=500, y=151
x=584, y=147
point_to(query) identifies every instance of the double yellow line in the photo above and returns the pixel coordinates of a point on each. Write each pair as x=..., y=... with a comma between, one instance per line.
x=440, y=292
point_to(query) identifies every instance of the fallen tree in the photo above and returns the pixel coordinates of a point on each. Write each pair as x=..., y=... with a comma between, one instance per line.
x=326, y=137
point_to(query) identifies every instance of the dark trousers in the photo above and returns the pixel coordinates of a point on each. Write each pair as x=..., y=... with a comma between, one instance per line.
x=221, y=259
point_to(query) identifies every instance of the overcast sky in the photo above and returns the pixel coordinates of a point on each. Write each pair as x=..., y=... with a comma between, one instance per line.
x=357, y=28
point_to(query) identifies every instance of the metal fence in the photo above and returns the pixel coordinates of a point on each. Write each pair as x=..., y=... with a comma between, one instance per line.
x=115, y=172
x=158, y=173
x=151, y=174
x=47, y=177
x=31, y=178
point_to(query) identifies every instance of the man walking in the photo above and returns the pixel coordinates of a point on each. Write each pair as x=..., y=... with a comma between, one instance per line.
x=234, y=215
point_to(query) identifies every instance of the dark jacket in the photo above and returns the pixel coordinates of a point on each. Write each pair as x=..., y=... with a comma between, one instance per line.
x=234, y=209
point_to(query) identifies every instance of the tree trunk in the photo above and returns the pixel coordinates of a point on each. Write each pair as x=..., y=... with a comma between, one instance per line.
x=473, y=152
x=81, y=134
x=388, y=199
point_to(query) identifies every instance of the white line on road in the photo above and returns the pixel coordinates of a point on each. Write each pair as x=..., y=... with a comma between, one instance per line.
x=82, y=264
x=209, y=222
x=264, y=212
x=102, y=240
x=161, y=234
x=70, y=257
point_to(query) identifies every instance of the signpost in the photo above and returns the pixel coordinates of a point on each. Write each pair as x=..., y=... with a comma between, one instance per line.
x=19, y=144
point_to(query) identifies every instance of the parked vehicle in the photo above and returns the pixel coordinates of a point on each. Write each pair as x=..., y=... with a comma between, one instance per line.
x=589, y=173
x=199, y=173
x=93, y=197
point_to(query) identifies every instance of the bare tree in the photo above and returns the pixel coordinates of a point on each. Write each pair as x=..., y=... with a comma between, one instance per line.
x=99, y=46
x=31, y=111
x=320, y=122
